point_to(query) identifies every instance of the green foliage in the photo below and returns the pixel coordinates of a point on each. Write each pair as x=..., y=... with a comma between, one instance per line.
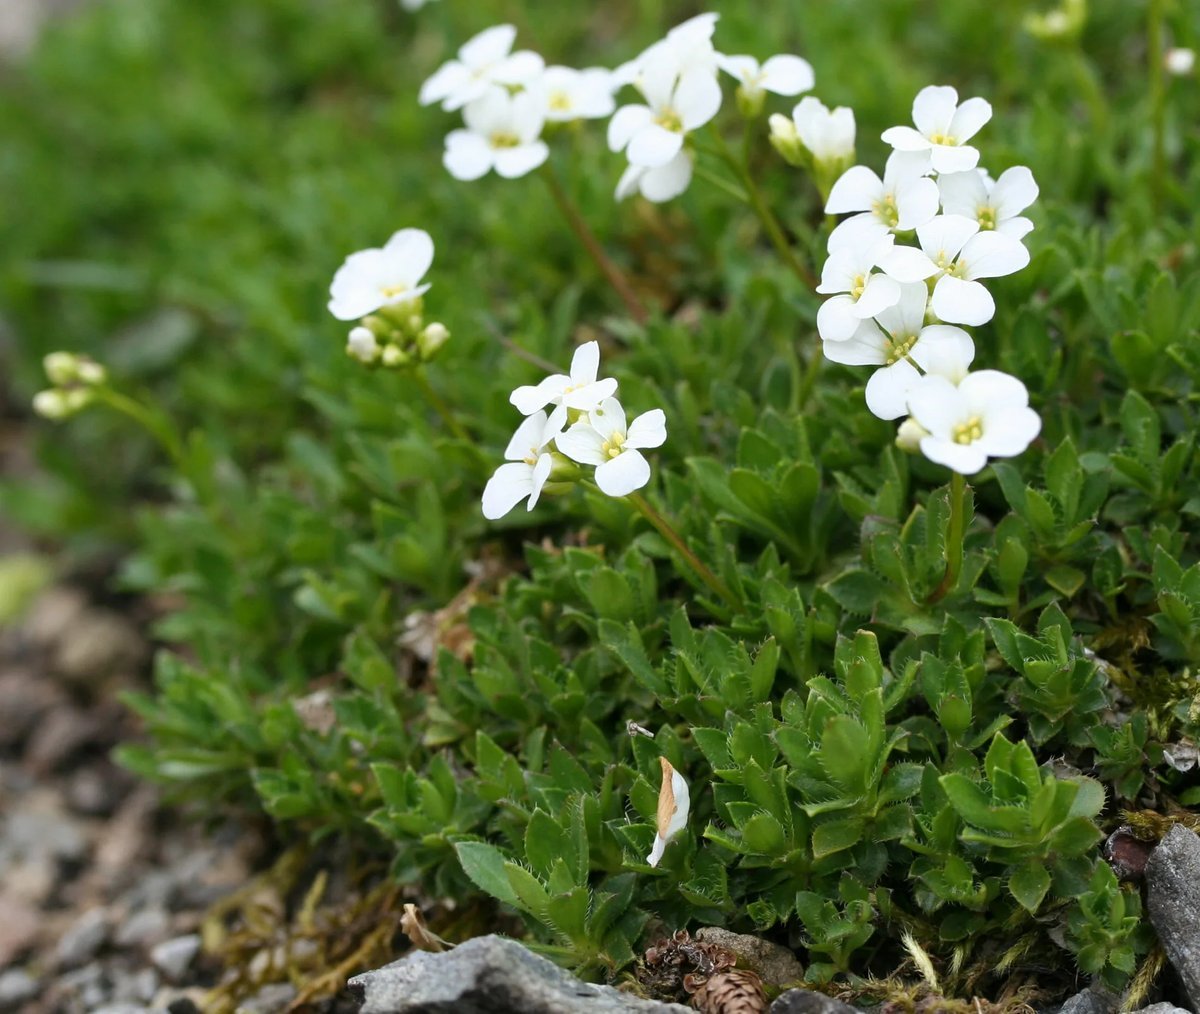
x=866, y=757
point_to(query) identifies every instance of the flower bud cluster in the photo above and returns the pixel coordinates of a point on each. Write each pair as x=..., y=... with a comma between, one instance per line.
x=74, y=379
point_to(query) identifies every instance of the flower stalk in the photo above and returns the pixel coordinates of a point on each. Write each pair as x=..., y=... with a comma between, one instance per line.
x=668, y=532
x=955, y=531
x=1155, y=50
x=578, y=225
x=445, y=413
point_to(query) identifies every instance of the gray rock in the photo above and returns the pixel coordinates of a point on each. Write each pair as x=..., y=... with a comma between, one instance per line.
x=85, y=937
x=124, y=1008
x=807, y=1001
x=490, y=975
x=774, y=964
x=16, y=986
x=1093, y=1000
x=268, y=1000
x=1162, y=1008
x=174, y=957
x=1173, y=899
x=146, y=928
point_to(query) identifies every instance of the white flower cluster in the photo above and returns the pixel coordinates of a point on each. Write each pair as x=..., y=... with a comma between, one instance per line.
x=382, y=288
x=901, y=307
x=508, y=98
x=546, y=452
x=74, y=379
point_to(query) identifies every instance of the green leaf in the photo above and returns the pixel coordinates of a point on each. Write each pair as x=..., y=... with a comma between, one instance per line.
x=485, y=865
x=1029, y=885
x=626, y=643
x=836, y=836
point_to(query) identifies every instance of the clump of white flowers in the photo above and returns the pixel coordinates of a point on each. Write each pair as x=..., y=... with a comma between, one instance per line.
x=586, y=425
x=901, y=306
x=382, y=289
x=74, y=379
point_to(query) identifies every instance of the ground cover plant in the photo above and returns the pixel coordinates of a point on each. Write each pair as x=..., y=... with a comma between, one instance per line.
x=841, y=581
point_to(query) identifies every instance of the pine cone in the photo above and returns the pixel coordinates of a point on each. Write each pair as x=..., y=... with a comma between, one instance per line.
x=737, y=991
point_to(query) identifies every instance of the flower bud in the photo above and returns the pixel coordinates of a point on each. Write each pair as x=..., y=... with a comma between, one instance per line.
x=750, y=101
x=908, y=436
x=361, y=345
x=395, y=356
x=58, y=404
x=62, y=368
x=1180, y=62
x=432, y=338
x=90, y=372
x=786, y=140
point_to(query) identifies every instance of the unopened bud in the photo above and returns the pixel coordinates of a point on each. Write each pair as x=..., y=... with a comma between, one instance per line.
x=432, y=338
x=62, y=368
x=361, y=345
x=57, y=403
x=908, y=436
x=393, y=356
x=750, y=101
x=1180, y=62
x=90, y=372
x=786, y=140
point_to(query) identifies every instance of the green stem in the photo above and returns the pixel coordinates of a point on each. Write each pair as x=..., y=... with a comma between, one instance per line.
x=722, y=184
x=769, y=222
x=666, y=530
x=591, y=244
x=440, y=407
x=154, y=423
x=954, y=538
x=1158, y=99
x=810, y=378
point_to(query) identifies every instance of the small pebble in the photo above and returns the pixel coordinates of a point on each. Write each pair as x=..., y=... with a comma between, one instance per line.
x=269, y=999
x=144, y=929
x=85, y=937
x=174, y=957
x=16, y=987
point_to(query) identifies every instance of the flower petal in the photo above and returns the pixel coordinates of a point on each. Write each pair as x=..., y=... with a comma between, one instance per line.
x=958, y=301
x=697, y=99
x=589, y=396
x=648, y=430
x=528, y=437
x=943, y=237
x=585, y=363
x=787, y=75
x=993, y=255
x=524, y=158
x=887, y=390
x=944, y=350
x=528, y=399
x=937, y=405
x=1010, y=433
x=520, y=68
x=878, y=294
x=953, y=159
x=468, y=156
x=608, y=418
x=626, y=122
x=969, y=119
x=488, y=46
x=653, y=146
x=836, y=320
x=916, y=203
x=907, y=264
x=411, y=250
x=583, y=444
x=963, y=193
x=934, y=108
x=1014, y=191
x=906, y=139
x=965, y=459
x=621, y=475
x=857, y=189
x=540, y=473
x=507, y=487
x=667, y=182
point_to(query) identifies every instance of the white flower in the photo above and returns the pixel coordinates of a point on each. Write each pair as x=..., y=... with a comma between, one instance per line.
x=994, y=205
x=953, y=248
x=902, y=200
x=569, y=94
x=483, y=61
x=902, y=345
x=502, y=133
x=987, y=415
x=686, y=51
x=827, y=134
x=528, y=466
x=780, y=75
x=673, y=806
x=580, y=391
x=943, y=128
x=662, y=183
x=1180, y=62
x=604, y=440
x=378, y=277
x=859, y=292
x=652, y=134
x=361, y=345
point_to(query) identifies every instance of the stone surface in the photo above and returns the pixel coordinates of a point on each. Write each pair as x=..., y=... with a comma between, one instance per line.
x=775, y=964
x=807, y=1001
x=1173, y=901
x=489, y=975
x=1093, y=1000
x=268, y=1000
x=146, y=928
x=16, y=987
x=1162, y=1008
x=174, y=957
x=85, y=937
x=19, y=928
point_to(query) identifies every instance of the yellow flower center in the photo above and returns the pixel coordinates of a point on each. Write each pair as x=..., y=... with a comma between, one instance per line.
x=531, y=458
x=504, y=139
x=969, y=431
x=613, y=446
x=391, y=291
x=858, y=286
x=560, y=101
x=899, y=348
x=670, y=120
x=987, y=218
x=945, y=139
x=885, y=210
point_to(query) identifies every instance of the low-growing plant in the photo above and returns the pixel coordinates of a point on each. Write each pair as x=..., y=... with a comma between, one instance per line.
x=702, y=640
